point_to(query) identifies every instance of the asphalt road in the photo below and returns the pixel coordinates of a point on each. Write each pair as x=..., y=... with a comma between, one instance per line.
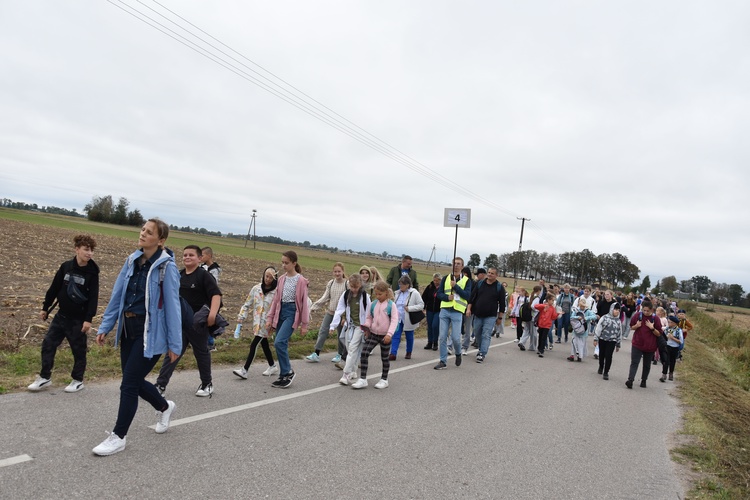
x=517, y=426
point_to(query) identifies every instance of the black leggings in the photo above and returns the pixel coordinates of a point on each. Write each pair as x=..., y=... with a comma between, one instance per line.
x=385, y=349
x=519, y=328
x=266, y=351
x=606, y=348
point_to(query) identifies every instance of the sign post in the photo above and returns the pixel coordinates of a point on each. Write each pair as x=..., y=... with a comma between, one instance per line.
x=459, y=217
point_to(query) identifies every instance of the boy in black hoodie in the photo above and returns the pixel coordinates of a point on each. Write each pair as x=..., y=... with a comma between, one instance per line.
x=76, y=289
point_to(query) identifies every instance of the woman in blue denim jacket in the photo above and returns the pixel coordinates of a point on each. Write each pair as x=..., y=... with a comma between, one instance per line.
x=145, y=303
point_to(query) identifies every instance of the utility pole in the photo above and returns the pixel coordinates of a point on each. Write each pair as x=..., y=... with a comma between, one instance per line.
x=520, y=244
x=252, y=227
x=432, y=254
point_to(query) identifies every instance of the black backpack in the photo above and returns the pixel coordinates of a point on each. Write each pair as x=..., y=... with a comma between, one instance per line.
x=526, y=310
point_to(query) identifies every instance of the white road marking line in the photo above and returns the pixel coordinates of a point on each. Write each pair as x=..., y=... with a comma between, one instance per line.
x=15, y=460
x=286, y=397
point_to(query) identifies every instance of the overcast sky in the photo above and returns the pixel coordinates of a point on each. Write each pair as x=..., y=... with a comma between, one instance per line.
x=613, y=126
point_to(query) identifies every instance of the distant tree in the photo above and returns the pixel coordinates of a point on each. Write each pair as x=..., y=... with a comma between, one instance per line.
x=669, y=285
x=702, y=283
x=735, y=294
x=645, y=284
x=100, y=209
x=491, y=261
x=120, y=213
x=136, y=219
x=474, y=260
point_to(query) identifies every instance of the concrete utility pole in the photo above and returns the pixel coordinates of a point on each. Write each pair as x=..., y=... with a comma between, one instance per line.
x=520, y=244
x=252, y=227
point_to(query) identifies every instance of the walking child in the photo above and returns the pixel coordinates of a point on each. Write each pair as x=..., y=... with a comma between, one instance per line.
x=259, y=301
x=547, y=315
x=607, y=335
x=335, y=288
x=75, y=288
x=675, y=339
x=353, y=306
x=379, y=327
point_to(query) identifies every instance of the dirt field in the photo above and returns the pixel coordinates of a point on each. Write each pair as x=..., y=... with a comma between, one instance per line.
x=738, y=320
x=32, y=255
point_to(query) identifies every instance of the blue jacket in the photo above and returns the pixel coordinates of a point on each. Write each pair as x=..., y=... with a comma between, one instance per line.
x=163, y=328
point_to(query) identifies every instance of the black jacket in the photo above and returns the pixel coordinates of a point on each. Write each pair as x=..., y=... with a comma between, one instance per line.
x=85, y=279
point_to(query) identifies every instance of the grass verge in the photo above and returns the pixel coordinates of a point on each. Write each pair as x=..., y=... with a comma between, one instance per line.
x=19, y=368
x=714, y=382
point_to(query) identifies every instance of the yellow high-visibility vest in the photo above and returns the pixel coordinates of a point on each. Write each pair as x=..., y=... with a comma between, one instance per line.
x=458, y=303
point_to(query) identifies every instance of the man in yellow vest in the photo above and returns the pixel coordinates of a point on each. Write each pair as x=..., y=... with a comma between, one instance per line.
x=454, y=292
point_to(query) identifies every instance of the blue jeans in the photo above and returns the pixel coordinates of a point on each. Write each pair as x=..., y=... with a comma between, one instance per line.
x=396, y=339
x=449, y=318
x=433, y=327
x=562, y=325
x=284, y=330
x=483, y=332
x=135, y=368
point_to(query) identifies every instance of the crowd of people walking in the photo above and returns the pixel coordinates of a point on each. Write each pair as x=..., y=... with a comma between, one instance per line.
x=158, y=310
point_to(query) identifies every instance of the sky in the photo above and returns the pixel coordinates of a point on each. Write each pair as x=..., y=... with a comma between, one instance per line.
x=612, y=126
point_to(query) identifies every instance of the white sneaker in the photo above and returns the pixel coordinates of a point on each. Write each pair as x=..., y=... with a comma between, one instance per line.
x=382, y=384
x=344, y=380
x=204, y=391
x=313, y=358
x=39, y=384
x=113, y=444
x=241, y=372
x=360, y=384
x=163, y=423
x=271, y=370
x=74, y=386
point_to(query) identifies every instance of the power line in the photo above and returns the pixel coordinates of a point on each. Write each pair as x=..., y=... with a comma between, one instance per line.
x=298, y=98
x=379, y=146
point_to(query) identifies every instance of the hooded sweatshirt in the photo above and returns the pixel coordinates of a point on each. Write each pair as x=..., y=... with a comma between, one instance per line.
x=609, y=327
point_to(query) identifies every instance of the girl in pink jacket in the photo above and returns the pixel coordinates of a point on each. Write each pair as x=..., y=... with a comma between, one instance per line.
x=381, y=323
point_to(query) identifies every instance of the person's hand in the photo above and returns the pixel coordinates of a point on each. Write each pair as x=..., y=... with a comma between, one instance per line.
x=468, y=310
x=303, y=331
x=172, y=356
x=617, y=349
x=330, y=332
x=271, y=330
x=86, y=327
x=595, y=342
x=650, y=324
x=637, y=324
x=100, y=339
x=43, y=315
x=450, y=298
x=211, y=319
x=387, y=339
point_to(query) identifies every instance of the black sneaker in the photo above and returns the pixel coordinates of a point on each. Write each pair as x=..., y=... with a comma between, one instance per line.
x=643, y=383
x=161, y=389
x=600, y=370
x=287, y=380
x=440, y=366
x=520, y=346
x=458, y=359
x=605, y=376
x=480, y=358
x=629, y=383
x=278, y=381
x=540, y=353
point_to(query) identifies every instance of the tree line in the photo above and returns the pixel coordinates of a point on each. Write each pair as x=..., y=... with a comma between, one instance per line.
x=20, y=205
x=570, y=267
x=103, y=209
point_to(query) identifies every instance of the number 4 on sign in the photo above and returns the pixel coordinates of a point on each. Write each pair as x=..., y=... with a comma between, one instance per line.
x=460, y=217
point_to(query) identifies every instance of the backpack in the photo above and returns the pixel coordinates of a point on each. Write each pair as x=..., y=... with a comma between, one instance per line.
x=579, y=327
x=387, y=308
x=186, y=311
x=525, y=311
